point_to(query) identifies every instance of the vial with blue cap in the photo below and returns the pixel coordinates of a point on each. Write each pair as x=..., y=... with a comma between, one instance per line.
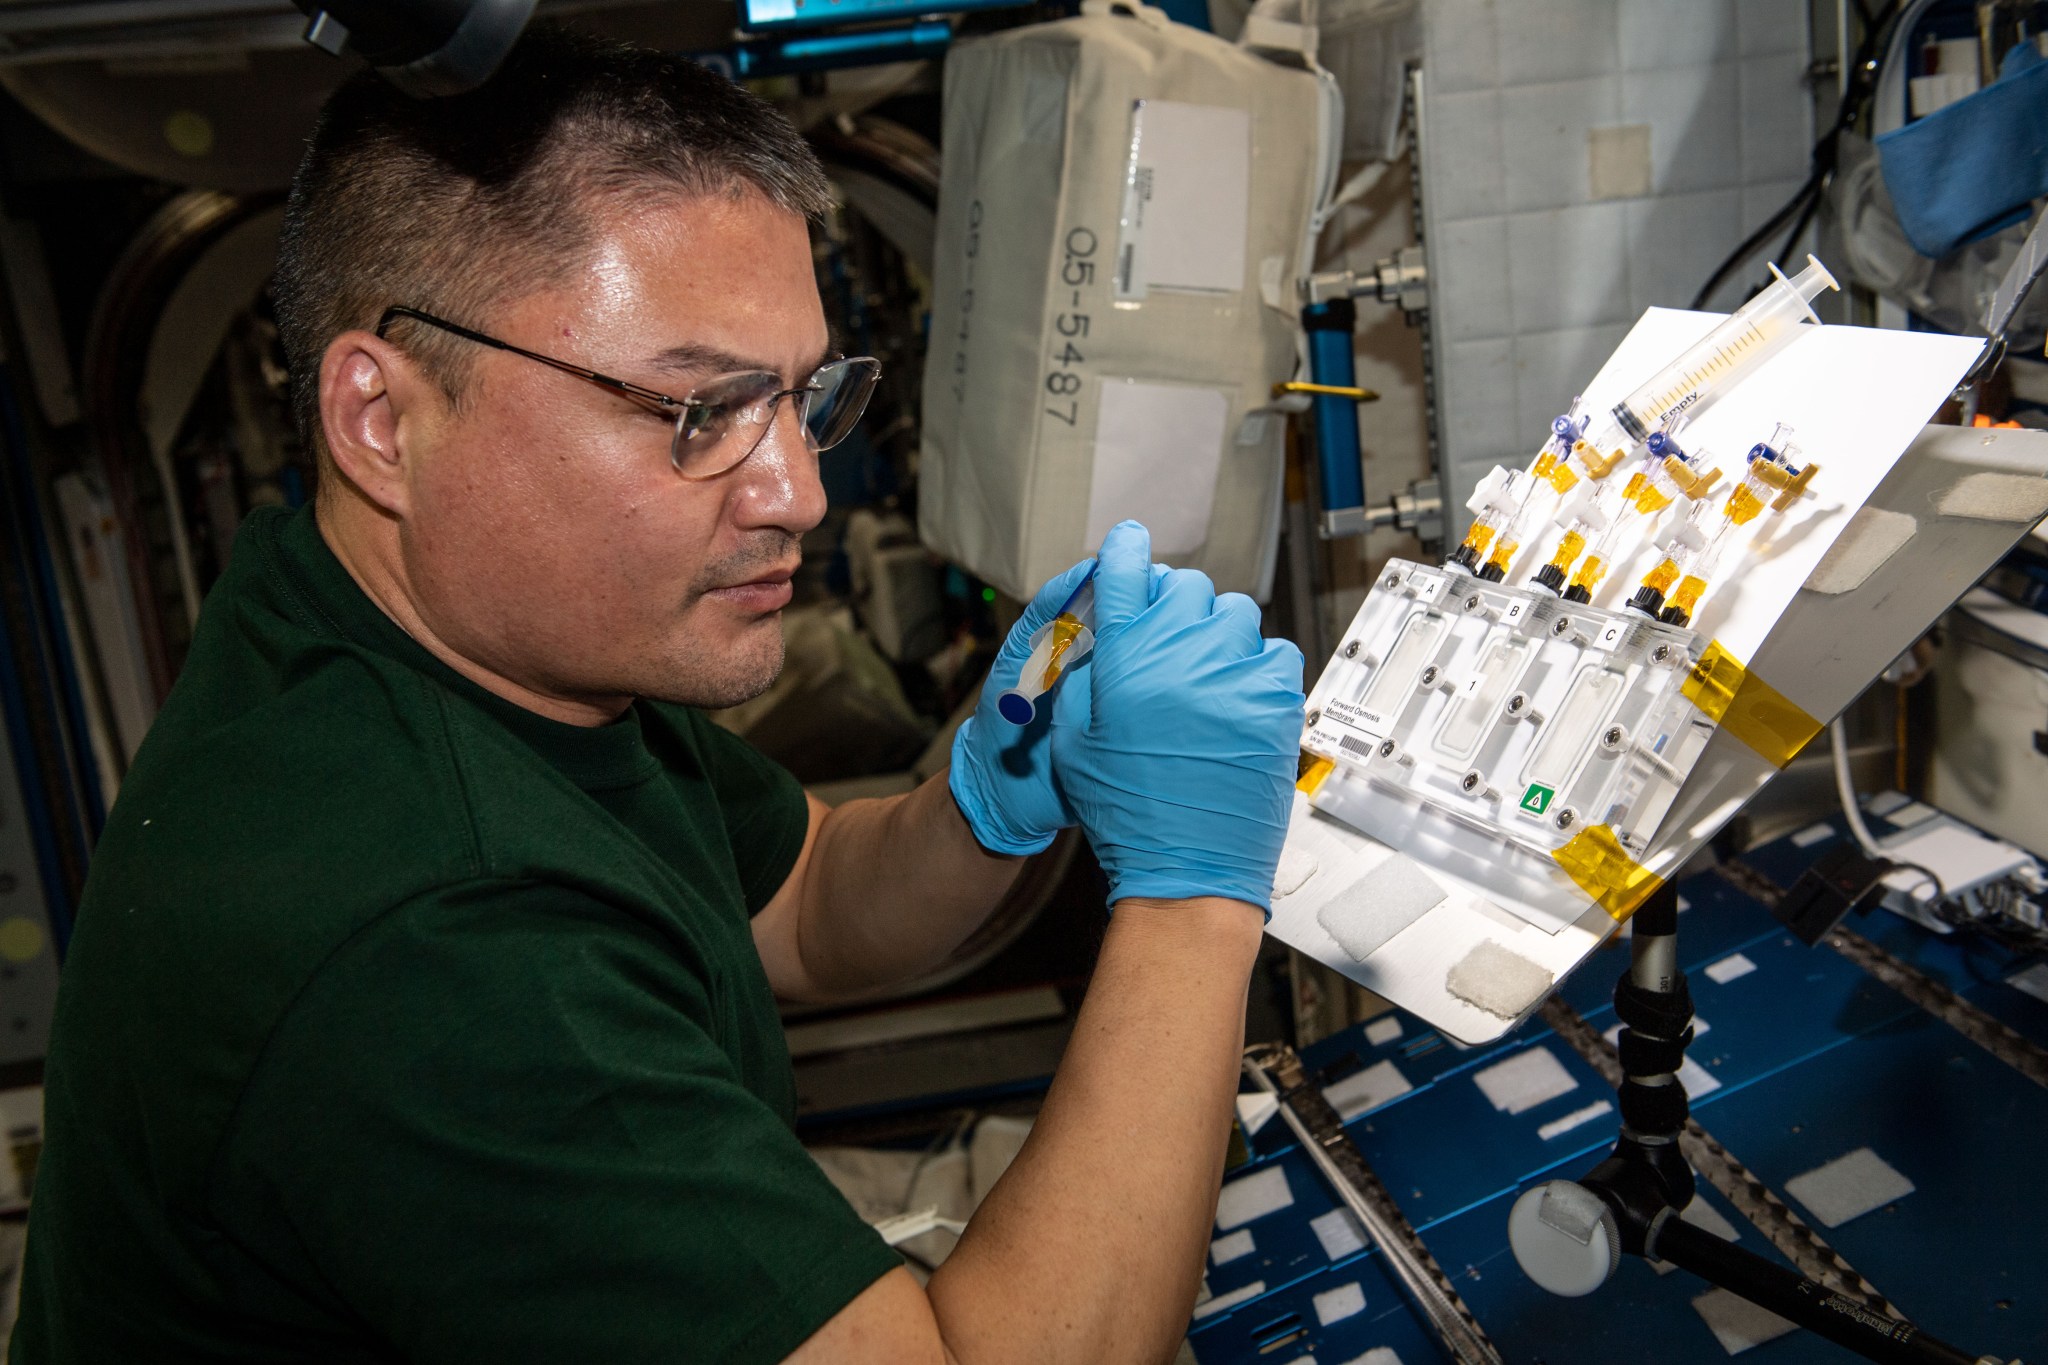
x=1057, y=647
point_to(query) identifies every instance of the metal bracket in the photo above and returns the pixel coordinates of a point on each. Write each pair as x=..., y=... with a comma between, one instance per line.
x=1343, y=522
x=1401, y=279
x=1277, y=1070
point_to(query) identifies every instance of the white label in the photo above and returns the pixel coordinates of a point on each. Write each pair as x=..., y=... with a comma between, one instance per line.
x=1357, y=718
x=1428, y=586
x=1253, y=1196
x=1339, y=1232
x=1158, y=448
x=1187, y=196
x=1229, y=1248
x=1335, y=1305
x=1514, y=611
x=1577, y=1118
x=1610, y=638
x=1728, y=969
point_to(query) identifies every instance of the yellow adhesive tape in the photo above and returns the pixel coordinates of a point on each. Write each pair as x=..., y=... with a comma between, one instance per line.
x=1747, y=707
x=1595, y=859
x=1313, y=771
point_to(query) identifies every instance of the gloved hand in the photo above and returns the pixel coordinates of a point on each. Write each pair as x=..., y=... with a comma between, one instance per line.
x=1182, y=773
x=1002, y=773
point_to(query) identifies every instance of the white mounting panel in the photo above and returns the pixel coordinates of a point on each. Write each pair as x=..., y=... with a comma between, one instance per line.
x=1521, y=716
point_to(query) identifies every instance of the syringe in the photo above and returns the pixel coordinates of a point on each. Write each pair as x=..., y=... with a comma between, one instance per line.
x=1500, y=501
x=1693, y=550
x=1057, y=646
x=1751, y=335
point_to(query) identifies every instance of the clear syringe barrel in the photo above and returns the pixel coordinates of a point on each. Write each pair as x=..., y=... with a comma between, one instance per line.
x=1056, y=647
x=1752, y=334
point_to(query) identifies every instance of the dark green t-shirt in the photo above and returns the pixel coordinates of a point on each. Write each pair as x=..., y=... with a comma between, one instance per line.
x=402, y=1024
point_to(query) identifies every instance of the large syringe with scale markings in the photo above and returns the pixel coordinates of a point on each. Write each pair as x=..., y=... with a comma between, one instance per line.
x=1509, y=505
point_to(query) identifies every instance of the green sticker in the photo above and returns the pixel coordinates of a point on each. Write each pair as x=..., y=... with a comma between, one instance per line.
x=1537, y=799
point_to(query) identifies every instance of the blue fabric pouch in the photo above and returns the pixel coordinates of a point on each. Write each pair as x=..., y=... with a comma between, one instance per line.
x=1973, y=167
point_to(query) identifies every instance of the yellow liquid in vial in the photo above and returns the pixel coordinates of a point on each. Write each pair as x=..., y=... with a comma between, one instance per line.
x=1503, y=554
x=1568, y=550
x=1660, y=579
x=1650, y=409
x=1546, y=460
x=1561, y=476
x=1590, y=573
x=1649, y=499
x=1688, y=595
x=1066, y=628
x=1478, y=538
x=1743, y=505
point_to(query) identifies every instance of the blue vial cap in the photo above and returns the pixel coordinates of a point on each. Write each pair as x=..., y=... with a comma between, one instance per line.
x=1016, y=708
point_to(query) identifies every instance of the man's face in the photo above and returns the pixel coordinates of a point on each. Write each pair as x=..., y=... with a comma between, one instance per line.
x=550, y=539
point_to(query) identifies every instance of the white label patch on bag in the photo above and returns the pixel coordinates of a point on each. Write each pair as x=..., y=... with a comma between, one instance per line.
x=1187, y=199
x=1157, y=451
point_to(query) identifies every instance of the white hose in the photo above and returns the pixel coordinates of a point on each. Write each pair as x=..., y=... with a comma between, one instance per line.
x=1838, y=740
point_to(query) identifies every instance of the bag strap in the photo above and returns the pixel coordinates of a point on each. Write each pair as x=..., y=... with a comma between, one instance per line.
x=1129, y=9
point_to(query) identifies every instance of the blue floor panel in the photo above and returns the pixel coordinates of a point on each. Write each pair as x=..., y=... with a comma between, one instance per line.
x=1811, y=1059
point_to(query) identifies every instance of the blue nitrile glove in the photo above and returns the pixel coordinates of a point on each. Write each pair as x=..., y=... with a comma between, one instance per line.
x=1183, y=771
x=1002, y=773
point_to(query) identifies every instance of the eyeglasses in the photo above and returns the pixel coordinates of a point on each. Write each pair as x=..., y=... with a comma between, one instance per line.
x=724, y=420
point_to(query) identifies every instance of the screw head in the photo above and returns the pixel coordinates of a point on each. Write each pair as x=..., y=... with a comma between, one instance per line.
x=1561, y=625
x=1470, y=782
x=1392, y=580
x=1566, y=818
x=1661, y=654
x=1386, y=748
x=1612, y=739
x=1351, y=650
x=1429, y=676
x=1313, y=717
x=1472, y=602
x=1518, y=704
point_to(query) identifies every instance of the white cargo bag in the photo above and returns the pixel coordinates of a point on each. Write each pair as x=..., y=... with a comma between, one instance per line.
x=1122, y=217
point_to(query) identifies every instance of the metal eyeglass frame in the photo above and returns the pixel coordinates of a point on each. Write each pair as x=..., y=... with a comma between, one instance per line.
x=862, y=370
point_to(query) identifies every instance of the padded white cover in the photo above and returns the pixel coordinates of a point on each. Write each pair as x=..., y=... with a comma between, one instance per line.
x=1038, y=142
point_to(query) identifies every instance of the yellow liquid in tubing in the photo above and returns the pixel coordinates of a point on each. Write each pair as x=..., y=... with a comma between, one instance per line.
x=1503, y=554
x=1066, y=628
x=1650, y=408
x=1478, y=538
x=1568, y=550
x=1546, y=460
x=1688, y=595
x=1743, y=505
x=1590, y=573
x=1660, y=579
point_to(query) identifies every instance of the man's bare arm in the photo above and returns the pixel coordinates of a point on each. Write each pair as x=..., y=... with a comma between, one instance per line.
x=883, y=890
x=1090, y=1247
